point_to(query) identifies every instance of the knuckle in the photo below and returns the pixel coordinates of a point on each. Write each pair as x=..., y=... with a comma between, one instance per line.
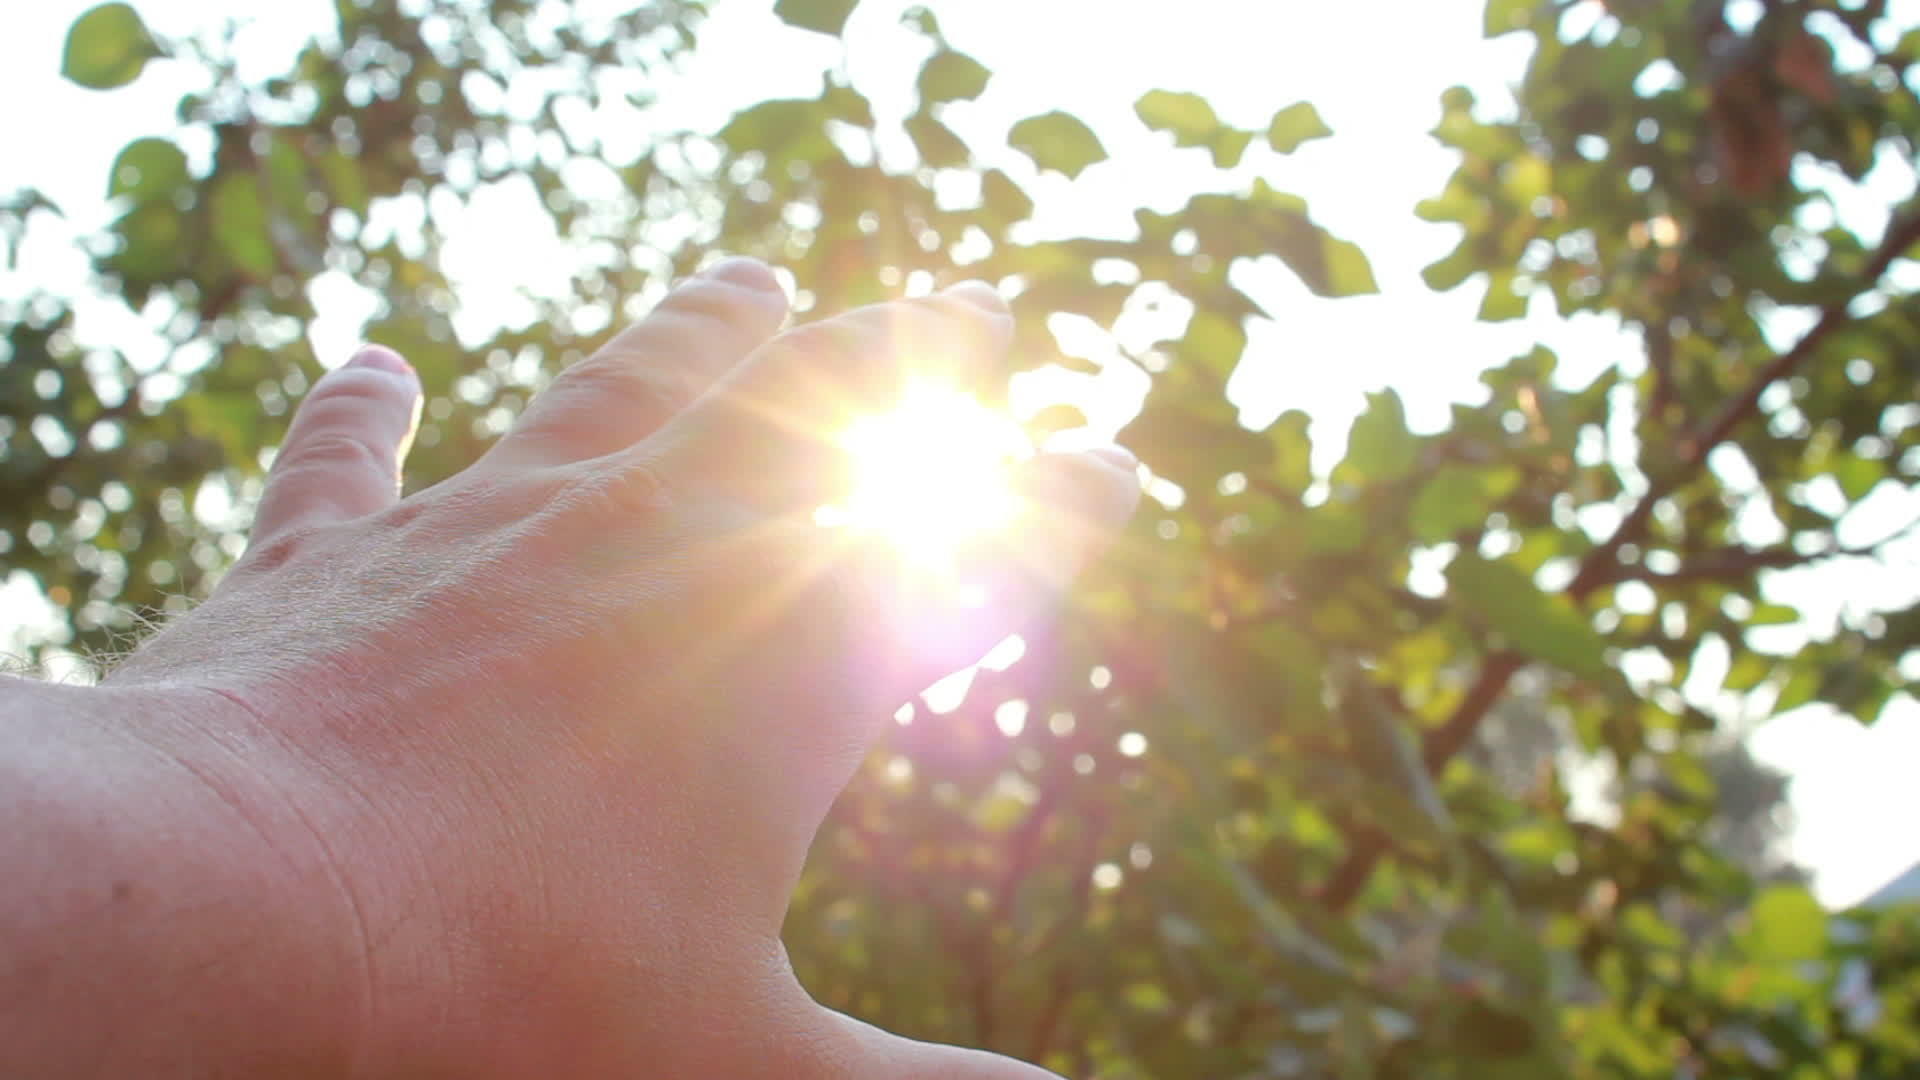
x=643, y=389
x=840, y=347
x=334, y=449
x=359, y=384
x=276, y=551
x=719, y=301
x=621, y=491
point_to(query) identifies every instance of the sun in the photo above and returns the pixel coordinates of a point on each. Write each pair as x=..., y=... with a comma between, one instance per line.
x=932, y=474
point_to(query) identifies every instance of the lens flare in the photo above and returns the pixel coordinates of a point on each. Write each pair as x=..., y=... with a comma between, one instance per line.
x=931, y=474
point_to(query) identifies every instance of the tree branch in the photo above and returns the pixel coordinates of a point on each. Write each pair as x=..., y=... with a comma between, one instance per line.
x=1602, y=564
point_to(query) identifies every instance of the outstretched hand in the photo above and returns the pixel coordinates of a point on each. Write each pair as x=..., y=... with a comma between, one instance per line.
x=548, y=742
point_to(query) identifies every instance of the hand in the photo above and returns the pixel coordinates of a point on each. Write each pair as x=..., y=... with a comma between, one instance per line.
x=558, y=732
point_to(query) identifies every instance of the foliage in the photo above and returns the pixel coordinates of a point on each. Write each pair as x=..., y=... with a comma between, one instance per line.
x=1244, y=824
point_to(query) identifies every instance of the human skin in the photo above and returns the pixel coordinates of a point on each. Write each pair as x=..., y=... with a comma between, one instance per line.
x=512, y=777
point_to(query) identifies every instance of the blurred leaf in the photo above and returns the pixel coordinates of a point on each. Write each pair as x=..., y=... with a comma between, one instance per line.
x=107, y=47
x=1192, y=122
x=1458, y=499
x=821, y=16
x=1801, y=687
x=240, y=225
x=148, y=170
x=1055, y=418
x=1856, y=475
x=1502, y=302
x=1447, y=273
x=1530, y=621
x=1380, y=447
x=153, y=242
x=1326, y=264
x=938, y=145
x=952, y=76
x=1057, y=141
x=1187, y=116
x=1003, y=198
x=1295, y=125
x=1785, y=922
x=1193, y=441
x=1505, y=16
x=1228, y=146
x=784, y=130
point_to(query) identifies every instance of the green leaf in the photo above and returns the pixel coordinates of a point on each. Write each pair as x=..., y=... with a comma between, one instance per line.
x=287, y=176
x=820, y=16
x=240, y=224
x=1749, y=670
x=1187, y=116
x=1229, y=146
x=107, y=46
x=1294, y=125
x=1506, y=16
x=952, y=76
x=1448, y=272
x=1543, y=626
x=1213, y=342
x=939, y=147
x=1192, y=438
x=1003, y=198
x=1773, y=615
x=1801, y=687
x=1459, y=498
x=1055, y=418
x=1057, y=141
x=1292, y=452
x=785, y=130
x=148, y=170
x=1856, y=475
x=1525, y=178
x=922, y=20
x=846, y=104
x=1326, y=264
x=152, y=240
x=1786, y=923
x=1502, y=303
x=1380, y=447
x=346, y=182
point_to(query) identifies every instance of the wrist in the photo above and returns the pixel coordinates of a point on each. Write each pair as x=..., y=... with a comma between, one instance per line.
x=174, y=897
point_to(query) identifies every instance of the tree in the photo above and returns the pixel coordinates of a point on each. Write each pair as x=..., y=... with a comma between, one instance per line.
x=1238, y=830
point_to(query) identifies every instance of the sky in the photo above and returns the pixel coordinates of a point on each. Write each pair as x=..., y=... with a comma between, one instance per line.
x=1379, y=91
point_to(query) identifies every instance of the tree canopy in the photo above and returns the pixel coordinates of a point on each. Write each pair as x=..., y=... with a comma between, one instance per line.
x=1231, y=814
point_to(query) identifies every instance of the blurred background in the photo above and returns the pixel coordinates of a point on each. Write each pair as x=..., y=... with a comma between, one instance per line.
x=1508, y=673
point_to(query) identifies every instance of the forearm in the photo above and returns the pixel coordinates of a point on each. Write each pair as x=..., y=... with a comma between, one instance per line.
x=153, y=920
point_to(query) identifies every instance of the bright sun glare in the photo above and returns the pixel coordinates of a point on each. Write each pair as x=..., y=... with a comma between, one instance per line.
x=931, y=474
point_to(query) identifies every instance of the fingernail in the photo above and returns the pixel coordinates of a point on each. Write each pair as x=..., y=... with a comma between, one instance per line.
x=979, y=294
x=1117, y=456
x=381, y=358
x=748, y=273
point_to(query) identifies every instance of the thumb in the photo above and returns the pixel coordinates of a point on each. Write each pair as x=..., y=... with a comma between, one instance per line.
x=883, y=1056
x=342, y=456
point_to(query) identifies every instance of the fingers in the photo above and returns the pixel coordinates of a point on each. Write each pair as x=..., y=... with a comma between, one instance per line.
x=1071, y=507
x=652, y=370
x=342, y=456
x=769, y=432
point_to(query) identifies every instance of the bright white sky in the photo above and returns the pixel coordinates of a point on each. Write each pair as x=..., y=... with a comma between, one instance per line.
x=1376, y=83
